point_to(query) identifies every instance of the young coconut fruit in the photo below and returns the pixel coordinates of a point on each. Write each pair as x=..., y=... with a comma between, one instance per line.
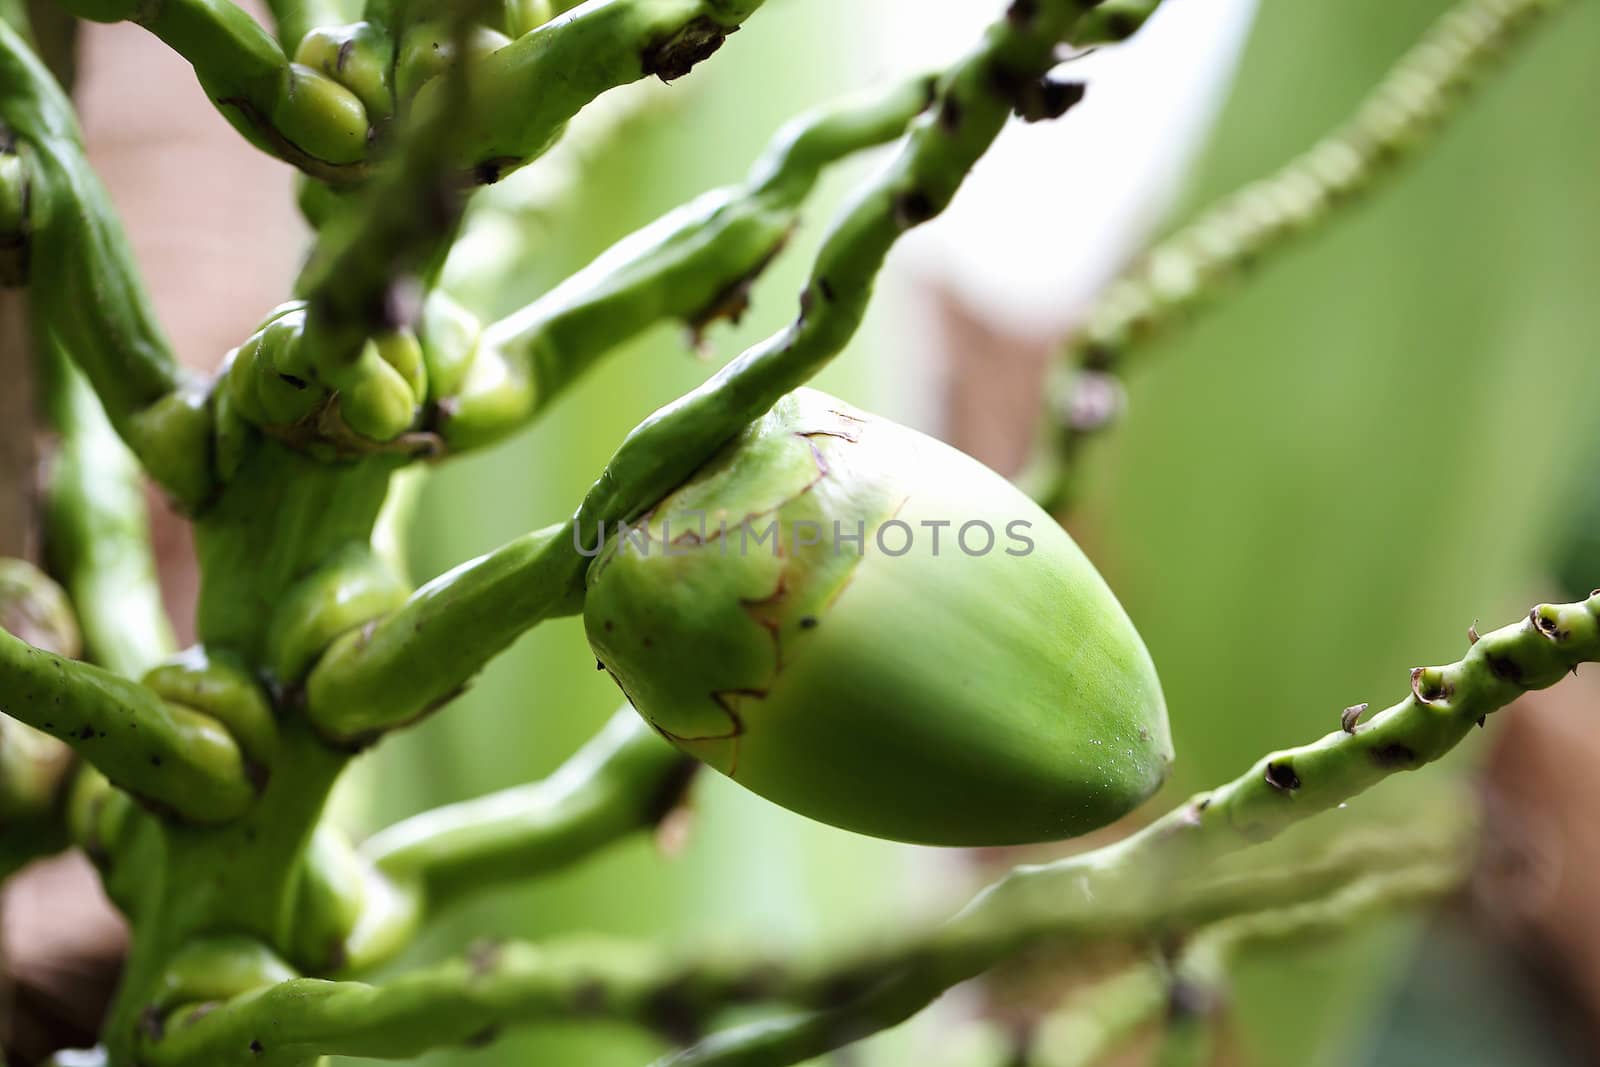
x=872, y=629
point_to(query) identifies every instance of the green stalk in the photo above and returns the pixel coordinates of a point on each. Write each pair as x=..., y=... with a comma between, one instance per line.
x=399, y=231
x=98, y=530
x=599, y=979
x=623, y=781
x=86, y=292
x=527, y=91
x=422, y=655
x=170, y=756
x=1421, y=93
x=973, y=101
x=1101, y=1020
x=695, y=264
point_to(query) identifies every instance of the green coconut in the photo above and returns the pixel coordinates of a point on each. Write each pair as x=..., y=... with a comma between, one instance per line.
x=874, y=630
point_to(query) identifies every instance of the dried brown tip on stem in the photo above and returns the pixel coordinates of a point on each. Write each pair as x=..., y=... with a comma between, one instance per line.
x=671, y=57
x=1350, y=718
x=1472, y=633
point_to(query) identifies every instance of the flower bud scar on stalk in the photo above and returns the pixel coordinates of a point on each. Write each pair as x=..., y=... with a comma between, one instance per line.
x=872, y=629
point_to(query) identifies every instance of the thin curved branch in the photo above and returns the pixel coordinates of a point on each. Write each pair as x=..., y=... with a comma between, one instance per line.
x=622, y=782
x=85, y=287
x=1098, y=1021
x=1422, y=92
x=527, y=91
x=695, y=264
x=1006, y=72
x=97, y=530
x=169, y=756
x=420, y=657
x=468, y=1000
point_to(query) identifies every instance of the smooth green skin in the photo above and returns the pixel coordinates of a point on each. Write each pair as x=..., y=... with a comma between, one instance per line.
x=271, y=382
x=1208, y=858
x=356, y=56
x=428, y=49
x=944, y=698
x=297, y=19
x=376, y=680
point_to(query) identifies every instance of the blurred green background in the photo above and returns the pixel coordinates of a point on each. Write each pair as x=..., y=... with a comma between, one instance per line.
x=1362, y=451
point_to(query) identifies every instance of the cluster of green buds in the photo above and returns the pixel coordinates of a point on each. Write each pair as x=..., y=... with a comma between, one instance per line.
x=872, y=629
x=271, y=383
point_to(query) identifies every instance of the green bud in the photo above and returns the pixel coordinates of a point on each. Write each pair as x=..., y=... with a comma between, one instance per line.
x=283, y=387
x=824, y=652
x=240, y=377
x=329, y=900
x=428, y=48
x=375, y=400
x=32, y=767
x=449, y=334
x=97, y=814
x=34, y=608
x=401, y=351
x=172, y=438
x=494, y=399
x=213, y=687
x=349, y=592
x=219, y=968
x=357, y=57
x=321, y=117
